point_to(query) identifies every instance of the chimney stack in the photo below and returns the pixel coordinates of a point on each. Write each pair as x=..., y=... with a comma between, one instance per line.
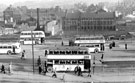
x=38, y=26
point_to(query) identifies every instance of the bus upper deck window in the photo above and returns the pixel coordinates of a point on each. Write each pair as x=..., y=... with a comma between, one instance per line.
x=62, y=52
x=68, y=52
x=77, y=38
x=56, y=52
x=80, y=52
x=50, y=52
x=40, y=33
x=74, y=52
x=85, y=52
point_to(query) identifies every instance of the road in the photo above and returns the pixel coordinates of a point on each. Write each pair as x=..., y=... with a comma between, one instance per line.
x=118, y=63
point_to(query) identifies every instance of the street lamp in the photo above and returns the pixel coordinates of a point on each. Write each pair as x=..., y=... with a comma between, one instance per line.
x=32, y=51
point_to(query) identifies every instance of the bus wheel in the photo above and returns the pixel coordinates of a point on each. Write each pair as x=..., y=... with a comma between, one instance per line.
x=49, y=69
x=9, y=52
x=96, y=51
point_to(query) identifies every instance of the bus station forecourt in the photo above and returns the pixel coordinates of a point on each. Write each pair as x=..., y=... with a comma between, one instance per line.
x=117, y=66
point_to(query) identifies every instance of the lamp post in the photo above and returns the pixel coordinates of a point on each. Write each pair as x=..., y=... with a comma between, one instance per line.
x=32, y=51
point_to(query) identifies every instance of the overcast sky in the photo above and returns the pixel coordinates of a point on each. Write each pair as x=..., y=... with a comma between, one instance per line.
x=8, y=2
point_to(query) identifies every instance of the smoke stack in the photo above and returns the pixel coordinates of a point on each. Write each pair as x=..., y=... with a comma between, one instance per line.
x=38, y=26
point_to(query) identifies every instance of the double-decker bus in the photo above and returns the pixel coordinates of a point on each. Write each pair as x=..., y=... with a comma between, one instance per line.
x=66, y=59
x=93, y=43
x=26, y=37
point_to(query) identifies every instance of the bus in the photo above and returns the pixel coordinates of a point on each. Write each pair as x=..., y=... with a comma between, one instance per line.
x=93, y=43
x=7, y=48
x=26, y=37
x=67, y=59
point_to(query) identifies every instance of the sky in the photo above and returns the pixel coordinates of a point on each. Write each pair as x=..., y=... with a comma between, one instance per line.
x=8, y=2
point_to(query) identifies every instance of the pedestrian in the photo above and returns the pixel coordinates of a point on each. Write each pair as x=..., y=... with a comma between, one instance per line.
x=110, y=45
x=94, y=58
x=79, y=71
x=76, y=69
x=62, y=43
x=44, y=70
x=46, y=53
x=89, y=72
x=39, y=61
x=102, y=56
x=126, y=46
x=23, y=54
x=3, y=69
x=54, y=73
x=10, y=68
x=39, y=69
x=14, y=49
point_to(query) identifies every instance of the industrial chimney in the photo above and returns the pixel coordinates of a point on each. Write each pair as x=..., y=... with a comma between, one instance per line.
x=38, y=26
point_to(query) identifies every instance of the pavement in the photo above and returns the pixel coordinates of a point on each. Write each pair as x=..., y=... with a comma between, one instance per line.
x=25, y=77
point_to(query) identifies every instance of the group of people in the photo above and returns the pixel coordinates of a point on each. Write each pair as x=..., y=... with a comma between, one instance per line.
x=78, y=70
x=112, y=45
x=9, y=69
x=41, y=68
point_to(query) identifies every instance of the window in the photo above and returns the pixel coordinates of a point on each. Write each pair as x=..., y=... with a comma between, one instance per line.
x=50, y=52
x=74, y=62
x=80, y=61
x=80, y=52
x=56, y=61
x=62, y=62
x=68, y=62
x=9, y=47
x=68, y=52
x=4, y=46
x=96, y=45
x=0, y=46
x=74, y=52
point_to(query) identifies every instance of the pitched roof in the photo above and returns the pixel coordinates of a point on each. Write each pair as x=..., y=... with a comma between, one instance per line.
x=91, y=15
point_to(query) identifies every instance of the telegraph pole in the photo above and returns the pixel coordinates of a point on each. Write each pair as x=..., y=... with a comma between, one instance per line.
x=32, y=51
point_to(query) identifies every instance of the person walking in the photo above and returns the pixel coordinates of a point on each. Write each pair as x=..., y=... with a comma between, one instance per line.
x=39, y=69
x=10, y=68
x=14, y=49
x=126, y=46
x=79, y=71
x=76, y=70
x=23, y=55
x=89, y=72
x=110, y=45
x=39, y=61
x=3, y=69
x=102, y=56
x=54, y=73
x=44, y=70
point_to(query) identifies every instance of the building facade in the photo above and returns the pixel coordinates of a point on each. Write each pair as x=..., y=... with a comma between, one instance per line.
x=84, y=22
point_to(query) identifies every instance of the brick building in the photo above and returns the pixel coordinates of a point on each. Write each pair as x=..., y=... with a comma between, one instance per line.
x=80, y=23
